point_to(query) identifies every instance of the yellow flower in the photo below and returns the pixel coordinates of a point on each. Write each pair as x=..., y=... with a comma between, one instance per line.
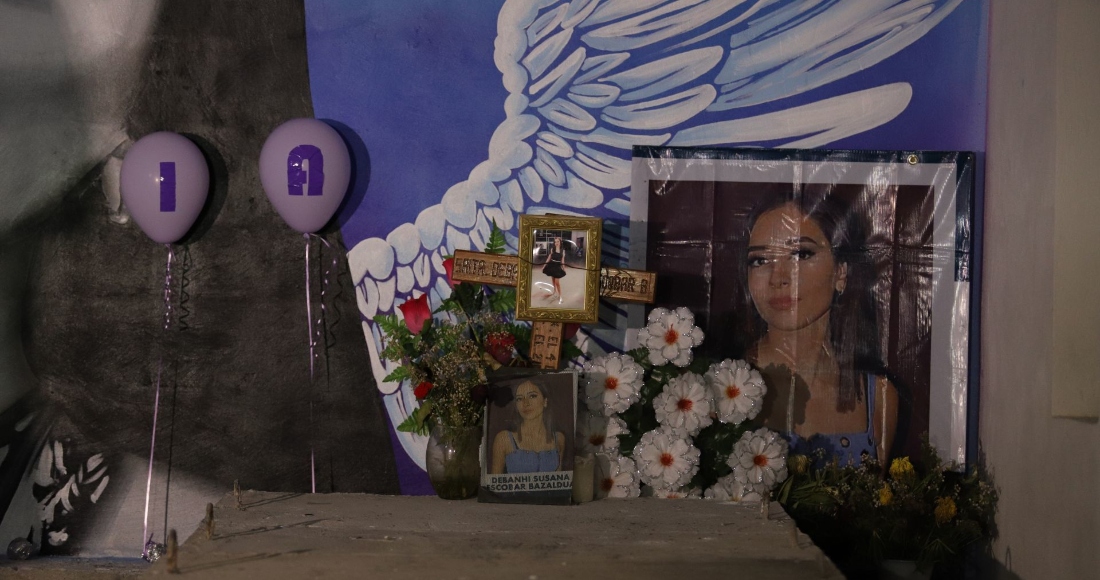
x=798, y=464
x=885, y=494
x=945, y=510
x=901, y=467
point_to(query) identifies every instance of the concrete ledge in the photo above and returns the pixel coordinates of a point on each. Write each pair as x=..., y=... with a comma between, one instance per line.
x=370, y=536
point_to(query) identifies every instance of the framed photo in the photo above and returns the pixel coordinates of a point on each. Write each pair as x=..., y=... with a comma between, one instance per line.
x=527, y=451
x=559, y=269
x=843, y=276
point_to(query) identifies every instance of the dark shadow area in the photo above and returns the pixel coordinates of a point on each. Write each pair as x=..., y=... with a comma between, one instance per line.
x=975, y=564
x=225, y=74
x=219, y=190
x=360, y=176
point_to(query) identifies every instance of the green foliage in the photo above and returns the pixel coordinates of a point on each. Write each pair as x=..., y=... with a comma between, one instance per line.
x=465, y=299
x=398, y=374
x=416, y=422
x=715, y=443
x=452, y=352
x=522, y=332
x=503, y=300
x=928, y=512
x=496, y=244
x=391, y=325
x=570, y=350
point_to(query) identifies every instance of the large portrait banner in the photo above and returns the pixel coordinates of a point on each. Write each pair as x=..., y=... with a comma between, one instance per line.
x=843, y=276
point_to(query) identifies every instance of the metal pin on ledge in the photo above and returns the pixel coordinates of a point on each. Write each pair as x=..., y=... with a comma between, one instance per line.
x=209, y=521
x=173, y=553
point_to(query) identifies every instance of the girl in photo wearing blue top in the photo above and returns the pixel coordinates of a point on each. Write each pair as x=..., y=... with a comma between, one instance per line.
x=534, y=444
x=809, y=282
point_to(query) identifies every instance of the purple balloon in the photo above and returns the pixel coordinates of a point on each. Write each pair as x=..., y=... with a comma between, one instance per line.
x=305, y=169
x=164, y=182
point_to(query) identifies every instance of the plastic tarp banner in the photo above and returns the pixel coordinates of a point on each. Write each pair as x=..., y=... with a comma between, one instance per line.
x=844, y=276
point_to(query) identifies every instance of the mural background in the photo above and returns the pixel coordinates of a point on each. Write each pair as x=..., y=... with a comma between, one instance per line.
x=484, y=110
x=444, y=144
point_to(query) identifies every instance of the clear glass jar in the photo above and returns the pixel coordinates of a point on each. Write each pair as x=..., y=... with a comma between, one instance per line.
x=454, y=461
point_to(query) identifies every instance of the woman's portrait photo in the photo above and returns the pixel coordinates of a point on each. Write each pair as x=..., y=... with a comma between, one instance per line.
x=811, y=326
x=840, y=284
x=527, y=434
x=558, y=269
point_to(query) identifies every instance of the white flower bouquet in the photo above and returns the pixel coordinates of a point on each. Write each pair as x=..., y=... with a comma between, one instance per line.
x=668, y=424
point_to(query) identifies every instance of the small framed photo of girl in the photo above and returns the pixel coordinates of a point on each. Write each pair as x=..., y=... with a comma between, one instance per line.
x=527, y=451
x=559, y=269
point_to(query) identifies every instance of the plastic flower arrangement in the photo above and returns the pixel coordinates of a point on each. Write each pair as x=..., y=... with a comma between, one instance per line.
x=925, y=511
x=446, y=355
x=681, y=421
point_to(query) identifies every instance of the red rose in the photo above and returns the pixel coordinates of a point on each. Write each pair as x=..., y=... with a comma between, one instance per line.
x=416, y=313
x=449, y=266
x=479, y=393
x=570, y=331
x=500, y=345
x=423, y=389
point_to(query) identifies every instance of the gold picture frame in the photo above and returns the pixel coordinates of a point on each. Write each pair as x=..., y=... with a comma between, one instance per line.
x=559, y=268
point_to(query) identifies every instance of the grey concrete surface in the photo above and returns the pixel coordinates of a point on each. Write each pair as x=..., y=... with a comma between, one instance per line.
x=70, y=568
x=372, y=536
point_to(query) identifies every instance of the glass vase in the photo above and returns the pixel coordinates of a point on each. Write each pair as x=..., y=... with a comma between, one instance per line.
x=453, y=460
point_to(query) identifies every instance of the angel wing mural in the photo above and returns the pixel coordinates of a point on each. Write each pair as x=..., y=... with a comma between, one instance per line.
x=575, y=84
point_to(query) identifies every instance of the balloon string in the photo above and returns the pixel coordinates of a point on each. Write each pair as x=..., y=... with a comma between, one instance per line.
x=320, y=334
x=145, y=535
x=316, y=333
x=312, y=355
x=185, y=296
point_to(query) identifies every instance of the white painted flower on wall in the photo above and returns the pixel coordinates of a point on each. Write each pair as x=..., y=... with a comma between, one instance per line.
x=612, y=383
x=63, y=487
x=684, y=404
x=666, y=458
x=737, y=388
x=759, y=459
x=59, y=537
x=670, y=336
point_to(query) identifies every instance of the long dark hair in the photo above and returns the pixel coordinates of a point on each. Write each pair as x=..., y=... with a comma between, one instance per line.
x=547, y=415
x=853, y=328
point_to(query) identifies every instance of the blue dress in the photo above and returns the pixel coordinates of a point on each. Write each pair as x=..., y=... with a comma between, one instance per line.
x=523, y=461
x=848, y=448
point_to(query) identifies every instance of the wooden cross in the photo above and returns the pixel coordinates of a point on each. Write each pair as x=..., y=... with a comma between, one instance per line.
x=546, y=337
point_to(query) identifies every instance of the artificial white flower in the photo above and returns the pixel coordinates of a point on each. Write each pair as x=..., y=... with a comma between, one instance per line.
x=666, y=458
x=684, y=404
x=670, y=336
x=58, y=538
x=599, y=434
x=612, y=383
x=616, y=476
x=738, y=390
x=681, y=493
x=759, y=459
x=729, y=489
